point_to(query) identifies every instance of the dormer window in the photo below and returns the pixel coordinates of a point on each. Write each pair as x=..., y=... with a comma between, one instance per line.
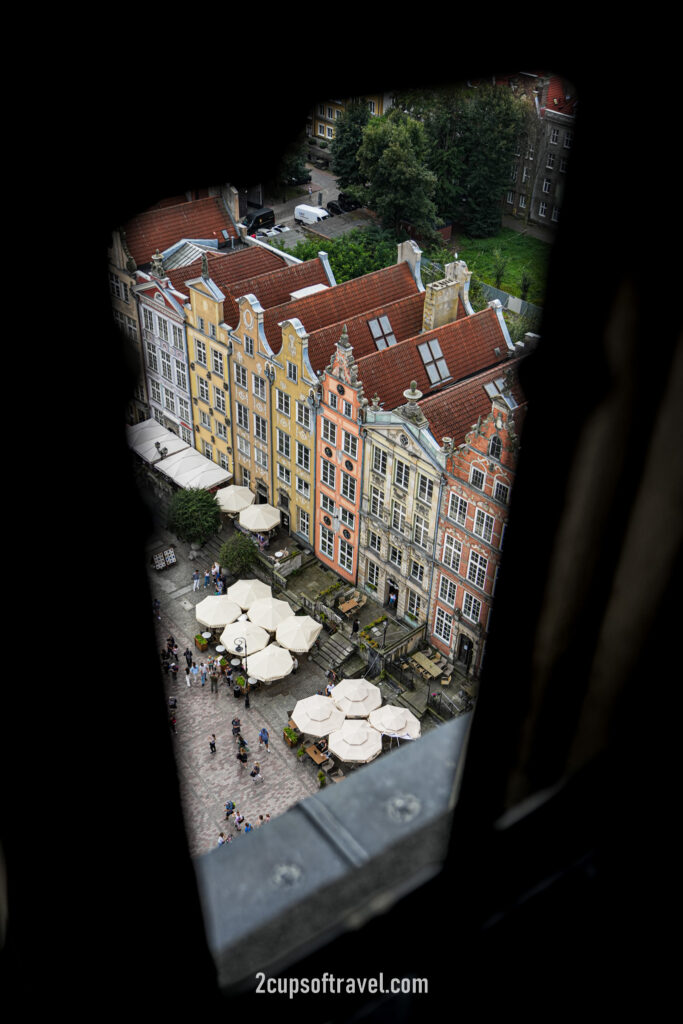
x=495, y=447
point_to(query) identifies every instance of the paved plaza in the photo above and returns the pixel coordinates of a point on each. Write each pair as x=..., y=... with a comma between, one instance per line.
x=208, y=780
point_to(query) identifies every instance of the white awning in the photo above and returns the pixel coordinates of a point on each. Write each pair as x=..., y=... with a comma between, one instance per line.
x=142, y=438
x=181, y=463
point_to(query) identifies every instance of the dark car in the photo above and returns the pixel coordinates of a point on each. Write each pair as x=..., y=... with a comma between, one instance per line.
x=301, y=179
x=333, y=207
x=347, y=202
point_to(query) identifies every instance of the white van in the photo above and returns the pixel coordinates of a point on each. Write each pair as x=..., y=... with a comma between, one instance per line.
x=309, y=214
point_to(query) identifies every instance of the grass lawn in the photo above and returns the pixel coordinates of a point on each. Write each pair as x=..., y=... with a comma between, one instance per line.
x=520, y=251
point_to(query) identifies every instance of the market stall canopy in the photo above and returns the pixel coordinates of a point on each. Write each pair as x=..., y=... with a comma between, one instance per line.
x=298, y=633
x=356, y=697
x=269, y=612
x=317, y=715
x=234, y=498
x=217, y=610
x=356, y=741
x=144, y=437
x=395, y=721
x=246, y=592
x=254, y=637
x=190, y=469
x=271, y=663
x=259, y=517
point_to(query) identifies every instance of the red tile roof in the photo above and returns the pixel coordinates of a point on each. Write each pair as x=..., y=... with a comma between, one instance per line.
x=274, y=286
x=557, y=98
x=468, y=346
x=162, y=227
x=453, y=412
x=226, y=267
x=342, y=302
x=405, y=317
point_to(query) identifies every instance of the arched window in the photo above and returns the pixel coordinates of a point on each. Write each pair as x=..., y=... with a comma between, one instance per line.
x=495, y=447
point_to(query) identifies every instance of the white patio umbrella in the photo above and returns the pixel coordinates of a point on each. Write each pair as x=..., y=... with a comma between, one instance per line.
x=217, y=610
x=259, y=517
x=298, y=633
x=254, y=637
x=317, y=715
x=355, y=741
x=395, y=721
x=271, y=663
x=246, y=592
x=233, y=498
x=357, y=697
x=269, y=612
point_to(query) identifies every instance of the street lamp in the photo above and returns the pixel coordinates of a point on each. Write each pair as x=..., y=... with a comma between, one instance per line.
x=240, y=644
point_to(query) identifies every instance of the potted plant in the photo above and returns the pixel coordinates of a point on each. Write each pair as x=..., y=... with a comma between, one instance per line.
x=241, y=682
x=301, y=753
x=290, y=735
x=322, y=778
x=200, y=642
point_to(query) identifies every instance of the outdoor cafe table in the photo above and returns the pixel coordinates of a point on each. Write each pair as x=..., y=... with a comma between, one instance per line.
x=316, y=755
x=348, y=606
x=430, y=666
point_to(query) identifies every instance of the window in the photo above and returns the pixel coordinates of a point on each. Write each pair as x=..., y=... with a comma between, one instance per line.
x=199, y=352
x=282, y=402
x=550, y=161
x=303, y=487
x=546, y=185
x=563, y=165
x=434, y=362
x=525, y=175
x=155, y=390
x=303, y=415
x=219, y=399
x=483, y=525
x=374, y=541
x=203, y=388
x=186, y=434
x=542, y=209
x=471, y=608
x=248, y=346
x=166, y=370
x=200, y=323
x=398, y=516
x=376, y=501
x=177, y=336
x=510, y=198
x=501, y=492
x=284, y=474
x=414, y=603
x=283, y=443
x=513, y=174
x=303, y=456
x=258, y=387
x=452, y=549
x=243, y=446
x=522, y=202
x=152, y=361
x=260, y=428
x=326, y=542
x=240, y=376
x=118, y=288
x=330, y=133
x=260, y=458
x=169, y=400
x=420, y=531
x=457, y=509
x=350, y=444
x=180, y=375
x=347, y=518
x=158, y=414
x=329, y=431
x=223, y=460
x=447, y=590
x=348, y=409
x=568, y=139
x=530, y=152
x=304, y=522
x=330, y=113
x=443, y=625
x=327, y=503
x=208, y=450
x=417, y=571
x=348, y=486
x=554, y=135
x=292, y=372
x=395, y=556
x=242, y=416
x=221, y=430
x=379, y=461
x=555, y=214
x=246, y=477
x=346, y=556
x=321, y=129
x=332, y=400
x=184, y=409
x=216, y=362
x=476, y=570
x=205, y=419
x=147, y=319
x=402, y=474
x=328, y=473
x=371, y=106
x=212, y=330
x=495, y=448
x=382, y=332
x=425, y=489
x=477, y=478
x=163, y=328
x=373, y=574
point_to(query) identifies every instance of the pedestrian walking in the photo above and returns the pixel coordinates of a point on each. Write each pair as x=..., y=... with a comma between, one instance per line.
x=203, y=672
x=248, y=827
x=187, y=676
x=173, y=669
x=242, y=757
x=222, y=839
x=170, y=641
x=194, y=672
x=188, y=657
x=219, y=586
x=263, y=738
x=195, y=580
x=236, y=726
x=214, y=571
x=246, y=696
x=356, y=625
x=212, y=742
x=256, y=773
x=229, y=809
x=172, y=722
x=207, y=578
x=239, y=818
x=214, y=682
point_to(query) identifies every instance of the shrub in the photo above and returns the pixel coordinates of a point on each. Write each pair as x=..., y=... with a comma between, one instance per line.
x=194, y=514
x=238, y=554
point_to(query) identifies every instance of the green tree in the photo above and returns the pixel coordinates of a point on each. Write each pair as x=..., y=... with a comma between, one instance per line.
x=352, y=254
x=347, y=141
x=399, y=186
x=238, y=554
x=194, y=514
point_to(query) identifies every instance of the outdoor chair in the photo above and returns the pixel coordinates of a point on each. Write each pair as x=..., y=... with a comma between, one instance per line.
x=446, y=680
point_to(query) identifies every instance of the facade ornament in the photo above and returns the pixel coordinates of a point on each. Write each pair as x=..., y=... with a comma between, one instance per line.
x=158, y=264
x=205, y=266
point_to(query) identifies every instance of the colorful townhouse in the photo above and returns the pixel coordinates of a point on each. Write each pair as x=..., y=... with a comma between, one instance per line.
x=483, y=417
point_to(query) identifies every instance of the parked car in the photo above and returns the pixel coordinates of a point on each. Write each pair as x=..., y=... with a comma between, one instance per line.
x=347, y=202
x=333, y=207
x=259, y=219
x=301, y=179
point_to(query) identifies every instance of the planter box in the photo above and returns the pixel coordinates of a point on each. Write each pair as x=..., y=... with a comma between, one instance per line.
x=200, y=643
